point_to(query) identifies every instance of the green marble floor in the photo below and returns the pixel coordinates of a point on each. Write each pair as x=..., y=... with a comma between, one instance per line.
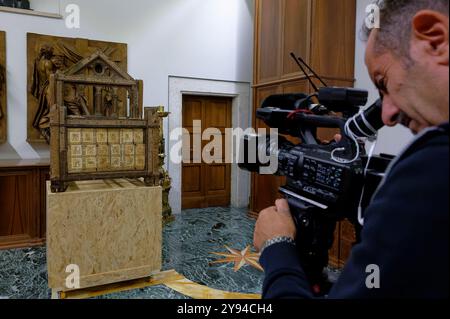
x=187, y=246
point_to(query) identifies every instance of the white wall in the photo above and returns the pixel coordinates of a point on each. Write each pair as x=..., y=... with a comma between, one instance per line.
x=50, y=6
x=391, y=140
x=210, y=39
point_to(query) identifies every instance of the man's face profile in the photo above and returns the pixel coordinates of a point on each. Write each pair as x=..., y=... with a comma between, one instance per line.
x=413, y=91
x=390, y=76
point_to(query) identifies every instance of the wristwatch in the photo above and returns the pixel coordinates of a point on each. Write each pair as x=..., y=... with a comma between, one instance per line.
x=277, y=240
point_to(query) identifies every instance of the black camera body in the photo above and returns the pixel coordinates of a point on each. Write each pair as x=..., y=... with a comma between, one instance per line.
x=312, y=177
x=326, y=183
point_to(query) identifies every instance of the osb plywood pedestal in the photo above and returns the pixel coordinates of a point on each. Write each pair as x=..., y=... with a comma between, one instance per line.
x=110, y=229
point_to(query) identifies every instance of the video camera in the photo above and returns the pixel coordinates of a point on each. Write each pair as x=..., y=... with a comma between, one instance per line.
x=326, y=183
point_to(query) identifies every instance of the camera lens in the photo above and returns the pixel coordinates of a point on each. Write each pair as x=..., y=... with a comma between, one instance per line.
x=367, y=123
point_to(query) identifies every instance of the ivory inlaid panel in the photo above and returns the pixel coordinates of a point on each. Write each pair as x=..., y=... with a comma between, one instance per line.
x=111, y=229
x=105, y=150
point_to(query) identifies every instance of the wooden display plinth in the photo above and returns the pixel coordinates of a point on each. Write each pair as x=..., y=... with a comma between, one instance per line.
x=168, y=278
x=111, y=230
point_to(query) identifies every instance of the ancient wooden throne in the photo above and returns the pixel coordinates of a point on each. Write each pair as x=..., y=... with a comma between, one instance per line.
x=97, y=128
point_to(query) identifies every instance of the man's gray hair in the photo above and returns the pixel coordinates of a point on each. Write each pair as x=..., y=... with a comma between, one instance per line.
x=395, y=23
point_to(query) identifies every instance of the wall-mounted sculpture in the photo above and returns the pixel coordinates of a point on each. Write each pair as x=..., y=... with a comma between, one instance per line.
x=20, y=4
x=89, y=138
x=2, y=87
x=49, y=54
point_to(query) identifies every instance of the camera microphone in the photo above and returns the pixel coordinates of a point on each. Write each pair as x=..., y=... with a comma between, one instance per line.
x=368, y=122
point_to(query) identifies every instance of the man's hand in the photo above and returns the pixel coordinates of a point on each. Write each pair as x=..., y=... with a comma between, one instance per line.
x=274, y=222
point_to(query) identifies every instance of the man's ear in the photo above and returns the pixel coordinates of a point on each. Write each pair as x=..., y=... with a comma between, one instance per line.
x=430, y=35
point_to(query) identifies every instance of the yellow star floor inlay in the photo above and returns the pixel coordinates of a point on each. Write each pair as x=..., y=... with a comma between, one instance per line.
x=240, y=258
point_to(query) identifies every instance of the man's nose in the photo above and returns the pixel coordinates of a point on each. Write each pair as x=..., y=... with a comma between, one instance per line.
x=390, y=112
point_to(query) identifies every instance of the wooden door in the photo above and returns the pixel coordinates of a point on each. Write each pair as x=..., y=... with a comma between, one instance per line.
x=205, y=184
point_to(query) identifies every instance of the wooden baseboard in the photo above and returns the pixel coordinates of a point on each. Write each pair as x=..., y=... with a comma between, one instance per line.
x=252, y=214
x=24, y=243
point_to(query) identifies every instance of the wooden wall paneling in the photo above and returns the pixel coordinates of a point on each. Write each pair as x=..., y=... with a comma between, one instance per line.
x=330, y=45
x=334, y=82
x=22, y=204
x=268, y=26
x=15, y=203
x=18, y=221
x=327, y=134
x=347, y=239
x=333, y=38
x=256, y=41
x=298, y=86
x=344, y=234
x=260, y=95
x=344, y=77
x=265, y=192
x=334, y=252
x=264, y=187
x=44, y=176
x=296, y=35
x=3, y=106
x=281, y=27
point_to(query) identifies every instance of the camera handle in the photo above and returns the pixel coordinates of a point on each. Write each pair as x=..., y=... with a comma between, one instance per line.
x=315, y=236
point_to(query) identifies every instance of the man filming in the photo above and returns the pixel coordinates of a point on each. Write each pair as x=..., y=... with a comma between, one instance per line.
x=405, y=233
